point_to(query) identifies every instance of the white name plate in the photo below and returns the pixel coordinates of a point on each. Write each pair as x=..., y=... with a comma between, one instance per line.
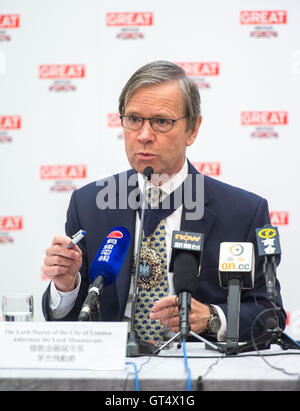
x=63, y=345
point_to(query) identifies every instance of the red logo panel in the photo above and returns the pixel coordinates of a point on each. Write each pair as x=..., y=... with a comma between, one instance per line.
x=268, y=118
x=129, y=19
x=10, y=122
x=61, y=71
x=199, y=69
x=279, y=217
x=263, y=17
x=9, y=21
x=63, y=172
x=11, y=223
x=209, y=168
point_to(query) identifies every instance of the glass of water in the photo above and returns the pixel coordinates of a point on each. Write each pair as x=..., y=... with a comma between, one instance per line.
x=17, y=307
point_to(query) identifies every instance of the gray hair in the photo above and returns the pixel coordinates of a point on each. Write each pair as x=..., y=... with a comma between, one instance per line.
x=159, y=72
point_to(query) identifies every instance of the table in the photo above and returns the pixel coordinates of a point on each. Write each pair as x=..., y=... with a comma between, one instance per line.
x=166, y=372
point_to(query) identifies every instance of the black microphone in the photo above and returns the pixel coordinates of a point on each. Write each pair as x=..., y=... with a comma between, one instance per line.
x=185, y=283
x=185, y=263
x=148, y=171
x=186, y=241
x=105, y=267
x=134, y=347
x=268, y=245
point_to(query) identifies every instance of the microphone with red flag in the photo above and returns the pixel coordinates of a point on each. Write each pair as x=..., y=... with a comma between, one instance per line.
x=105, y=267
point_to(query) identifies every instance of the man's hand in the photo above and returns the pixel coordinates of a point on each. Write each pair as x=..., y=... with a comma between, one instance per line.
x=62, y=264
x=166, y=310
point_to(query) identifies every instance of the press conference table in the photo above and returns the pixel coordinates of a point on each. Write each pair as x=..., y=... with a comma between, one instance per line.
x=166, y=372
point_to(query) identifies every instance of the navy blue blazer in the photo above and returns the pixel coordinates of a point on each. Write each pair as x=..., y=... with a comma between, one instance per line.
x=230, y=214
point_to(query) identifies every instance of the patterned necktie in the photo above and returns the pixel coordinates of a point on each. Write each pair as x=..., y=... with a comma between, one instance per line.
x=153, y=277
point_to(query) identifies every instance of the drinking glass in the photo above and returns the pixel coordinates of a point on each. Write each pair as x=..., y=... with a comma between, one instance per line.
x=17, y=307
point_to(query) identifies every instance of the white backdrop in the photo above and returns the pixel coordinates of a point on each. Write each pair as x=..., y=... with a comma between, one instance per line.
x=62, y=66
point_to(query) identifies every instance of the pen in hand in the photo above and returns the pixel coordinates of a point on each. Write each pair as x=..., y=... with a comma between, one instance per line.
x=76, y=238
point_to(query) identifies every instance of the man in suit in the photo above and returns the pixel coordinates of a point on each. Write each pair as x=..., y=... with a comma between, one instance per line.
x=160, y=114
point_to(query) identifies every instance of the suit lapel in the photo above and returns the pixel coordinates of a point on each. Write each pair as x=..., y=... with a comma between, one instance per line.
x=204, y=224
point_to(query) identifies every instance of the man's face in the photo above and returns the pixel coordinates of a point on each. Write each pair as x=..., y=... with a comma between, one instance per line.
x=165, y=152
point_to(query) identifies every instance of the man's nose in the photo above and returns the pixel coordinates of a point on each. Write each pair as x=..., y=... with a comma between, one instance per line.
x=146, y=133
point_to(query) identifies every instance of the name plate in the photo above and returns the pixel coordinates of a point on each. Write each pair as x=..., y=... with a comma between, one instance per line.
x=63, y=345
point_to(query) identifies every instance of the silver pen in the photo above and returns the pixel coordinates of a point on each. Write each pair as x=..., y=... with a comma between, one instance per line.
x=76, y=238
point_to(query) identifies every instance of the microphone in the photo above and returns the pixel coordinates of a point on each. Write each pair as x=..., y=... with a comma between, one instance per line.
x=186, y=241
x=185, y=283
x=185, y=263
x=148, y=171
x=105, y=267
x=268, y=245
x=236, y=261
x=236, y=272
x=134, y=347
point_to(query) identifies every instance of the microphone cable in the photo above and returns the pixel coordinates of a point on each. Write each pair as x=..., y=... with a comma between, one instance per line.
x=136, y=373
x=261, y=355
x=187, y=368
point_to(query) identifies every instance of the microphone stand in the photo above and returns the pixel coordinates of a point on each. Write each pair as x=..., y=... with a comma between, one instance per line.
x=191, y=333
x=185, y=325
x=95, y=314
x=235, y=286
x=137, y=347
x=90, y=310
x=272, y=334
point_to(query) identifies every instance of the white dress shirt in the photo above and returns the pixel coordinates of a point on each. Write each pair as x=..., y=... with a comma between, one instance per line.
x=61, y=303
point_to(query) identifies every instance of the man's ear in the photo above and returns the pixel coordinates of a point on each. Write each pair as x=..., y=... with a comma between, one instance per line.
x=194, y=132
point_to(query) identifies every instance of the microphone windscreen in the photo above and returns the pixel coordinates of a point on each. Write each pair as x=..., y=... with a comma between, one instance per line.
x=185, y=273
x=111, y=255
x=148, y=171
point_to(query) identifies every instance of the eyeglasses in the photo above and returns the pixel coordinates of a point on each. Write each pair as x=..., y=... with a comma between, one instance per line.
x=161, y=125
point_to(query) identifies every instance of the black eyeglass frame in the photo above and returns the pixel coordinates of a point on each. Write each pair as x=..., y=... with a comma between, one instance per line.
x=150, y=121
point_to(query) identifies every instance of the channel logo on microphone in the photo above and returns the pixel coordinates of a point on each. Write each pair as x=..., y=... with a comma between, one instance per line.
x=115, y=234
x=236, y=258
x=268, y=240
x=236, y=249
